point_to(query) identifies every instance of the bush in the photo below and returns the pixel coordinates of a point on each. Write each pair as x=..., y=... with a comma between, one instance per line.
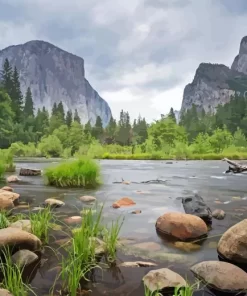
x=83, y=172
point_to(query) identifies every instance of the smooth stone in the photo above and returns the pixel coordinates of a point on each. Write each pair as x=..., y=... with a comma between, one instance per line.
x=4, y=292
x=8, y=199
x=54, y=202
x=19, y=238
x=87, y=198
x=195, y=205
x=73, y=219
x=181, y=226
x=222, y=276
x=123, y=202
x=187, y=247
x=137, y=264
x=23, y=225
x=136, y=212
x=233, y=243
x=218, y=214
x=13, y=179
x=151, y=246
x=24, y=257
x=126, y=182
x=7, y=188
x=159, y=279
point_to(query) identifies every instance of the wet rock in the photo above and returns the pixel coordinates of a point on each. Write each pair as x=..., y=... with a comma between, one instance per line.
x=23, y=225
x=218, y=214
x=221, y=275
x=187, y=247
x=233, y=243
x=218, y=202
x=136, y=212
x=54, y=202
x=137, y=264
x=236, y=197
x=100, y=246
x=4, y=292
x=181, y=226
x=24, y=257
x=151, y=246
x=123, y=202
x=169, y=162
x=29, y=172
x=8, y=199
x=195, y=205
x=7, y=188
x=87, y=198
x=126, y=182
x=13, y=179
x=73, y=220
x=212, y=245
x=159, y=279
x=19, y=238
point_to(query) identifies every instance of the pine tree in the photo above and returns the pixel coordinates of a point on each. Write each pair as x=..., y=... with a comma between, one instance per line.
x=16, y=96
x=77, y=117
x=97, y=131
x=29, y=108
x=6, y=77
x=60, y=111
x=88, y=128
x=54, y=109
x=172, y=115
x=69, y=118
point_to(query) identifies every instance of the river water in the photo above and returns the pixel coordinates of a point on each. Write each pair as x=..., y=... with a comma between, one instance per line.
x=142, y=242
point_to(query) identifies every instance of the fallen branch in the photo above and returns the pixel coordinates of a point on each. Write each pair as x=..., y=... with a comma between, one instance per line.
x=157, y=181
x=235, y=167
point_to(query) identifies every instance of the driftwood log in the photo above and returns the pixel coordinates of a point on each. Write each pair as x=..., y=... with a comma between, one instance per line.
x=235, y=167
x=29, y=172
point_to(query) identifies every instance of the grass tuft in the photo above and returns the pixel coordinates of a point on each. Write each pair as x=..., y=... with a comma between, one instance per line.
x=83, y=172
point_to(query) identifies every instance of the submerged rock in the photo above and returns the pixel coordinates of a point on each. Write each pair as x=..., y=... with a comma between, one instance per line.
x=137, y=264
x=23, y=225
x=87, y=198
x=4, y=292
x=8, y=199
x=14, y=237
x=54, y=202
x=159, y=279
x=151, y=246
x=29, y=172
x=195, y=205
x=7, y=188
x=221, y=276
x=73, y=219
x=233, y=243
x=100, y=246
x=13, y=179
x=218, y=214
x=24, y=257
x=186, y=246
x=181, y=226
x=123, y=202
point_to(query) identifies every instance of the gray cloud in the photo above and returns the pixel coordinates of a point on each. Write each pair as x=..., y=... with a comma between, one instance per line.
x=134, y=51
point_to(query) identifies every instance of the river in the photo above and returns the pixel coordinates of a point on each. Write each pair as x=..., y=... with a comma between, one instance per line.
x=183, y=178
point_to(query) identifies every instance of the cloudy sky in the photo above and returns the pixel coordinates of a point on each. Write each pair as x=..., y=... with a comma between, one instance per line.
x=139, y=54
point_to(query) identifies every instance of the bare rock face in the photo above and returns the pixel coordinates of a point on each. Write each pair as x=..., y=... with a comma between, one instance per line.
x=55, y=75
x=221, y=276
x=214, y=84
x=233, y=243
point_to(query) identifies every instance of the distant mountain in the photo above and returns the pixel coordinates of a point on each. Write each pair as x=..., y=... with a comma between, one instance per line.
x=55, y=75
x=214, y=84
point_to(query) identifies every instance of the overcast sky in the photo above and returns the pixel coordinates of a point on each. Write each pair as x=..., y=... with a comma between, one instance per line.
x=139, y=54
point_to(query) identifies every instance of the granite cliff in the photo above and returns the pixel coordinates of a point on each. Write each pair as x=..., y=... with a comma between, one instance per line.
x=214, y=84
x=55, y=75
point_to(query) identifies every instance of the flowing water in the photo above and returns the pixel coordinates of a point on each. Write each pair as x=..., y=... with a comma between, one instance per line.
x=142, y=242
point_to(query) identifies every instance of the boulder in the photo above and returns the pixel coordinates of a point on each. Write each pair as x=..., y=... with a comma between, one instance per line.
x=13, y=179
x=73, y=219
x=29, y=172
x=4, y=292
x=159, y=279
x=8, y=199
x=7, y=188
x=137, y=264
x=56, y=203
x=87, y=198
x=23, y=225
x=123, y=202
x=218, y=214
x=233, y=243
x=14, y=237
x=182, y=226
x=195, y=205
x=24, y=257
x=221, y=276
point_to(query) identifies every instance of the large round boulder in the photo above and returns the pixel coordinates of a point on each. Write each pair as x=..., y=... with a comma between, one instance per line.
x=221, y=276
x=233, y=243
x=159, y=279
x=20, y=239
x=182, y=226
x=8, y=199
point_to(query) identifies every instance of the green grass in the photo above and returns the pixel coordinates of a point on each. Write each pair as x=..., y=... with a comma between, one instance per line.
x=147, y=292
x=186, y=291
x=4, y=222
x=83, y=172
x=12, y=276
x=41, y=223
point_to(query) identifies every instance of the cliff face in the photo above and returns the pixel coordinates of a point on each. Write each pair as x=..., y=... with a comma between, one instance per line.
x=55, y=75
x=214, y=84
